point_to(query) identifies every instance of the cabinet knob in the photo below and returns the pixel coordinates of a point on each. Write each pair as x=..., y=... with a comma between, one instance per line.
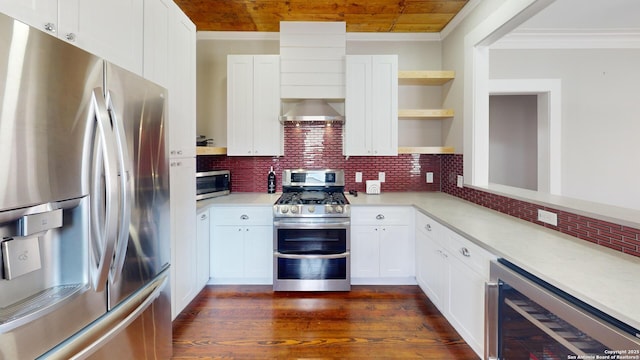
x=203, y=217
x=464, y=251
x=428, y=227
x=244, y=217
x=380, y=217
x=70, y=37
x=50, y=27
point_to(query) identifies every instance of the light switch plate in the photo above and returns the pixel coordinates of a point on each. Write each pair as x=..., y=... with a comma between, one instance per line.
x=548, y=217
x=460, y=181
x=358, y=177
x=381, y=176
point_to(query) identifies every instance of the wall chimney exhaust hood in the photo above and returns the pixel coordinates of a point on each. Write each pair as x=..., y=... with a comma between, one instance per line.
x=311, y=110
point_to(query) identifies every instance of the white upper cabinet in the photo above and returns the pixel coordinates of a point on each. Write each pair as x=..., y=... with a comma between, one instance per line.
x=158, y=15
x=253, y=106
x=182, y=85
x=110, y=29
x=41, y=14
x=371, y=105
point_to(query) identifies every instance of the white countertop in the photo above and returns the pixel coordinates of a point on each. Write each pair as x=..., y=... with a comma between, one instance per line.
x=606, y=279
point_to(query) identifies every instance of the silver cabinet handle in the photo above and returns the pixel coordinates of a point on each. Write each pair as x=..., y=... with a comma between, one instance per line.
x=464, y=251
x=50, y=27
x=380, y=217
x=244, y=217
x=428, y=227
x=70, y=37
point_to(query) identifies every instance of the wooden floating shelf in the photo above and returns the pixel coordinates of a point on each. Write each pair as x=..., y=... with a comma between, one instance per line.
x=425, y=77
x=426, y=150
x=425, y=113
x=209, y=150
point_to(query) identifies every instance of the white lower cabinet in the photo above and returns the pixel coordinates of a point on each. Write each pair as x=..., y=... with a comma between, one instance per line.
x=382, y=245
x=203, y=245
x=452, y=272
x=241, y=245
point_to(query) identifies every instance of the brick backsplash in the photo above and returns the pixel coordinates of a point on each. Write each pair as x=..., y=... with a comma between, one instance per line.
x=618, y=237
x=315, y=146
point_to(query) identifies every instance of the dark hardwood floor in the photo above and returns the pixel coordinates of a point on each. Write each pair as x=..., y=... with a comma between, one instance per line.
x=369, y=322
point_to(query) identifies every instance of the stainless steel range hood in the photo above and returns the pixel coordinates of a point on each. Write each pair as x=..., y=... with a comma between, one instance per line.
x=312, y=110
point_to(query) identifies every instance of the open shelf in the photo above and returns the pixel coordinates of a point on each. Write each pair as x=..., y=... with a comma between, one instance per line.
x=427, y=77
x=426, y=150
x=425, y=113
x=209, y=150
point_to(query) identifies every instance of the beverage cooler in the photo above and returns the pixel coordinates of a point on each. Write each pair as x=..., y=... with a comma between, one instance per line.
x=530, y=319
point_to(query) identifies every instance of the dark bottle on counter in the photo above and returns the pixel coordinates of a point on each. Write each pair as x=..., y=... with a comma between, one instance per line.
x=271, y=182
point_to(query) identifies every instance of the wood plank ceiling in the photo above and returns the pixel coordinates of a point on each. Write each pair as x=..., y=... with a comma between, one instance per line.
x=360, y=15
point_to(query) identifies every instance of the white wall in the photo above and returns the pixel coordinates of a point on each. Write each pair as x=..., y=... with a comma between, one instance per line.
x=513, y=140
x=600, y=121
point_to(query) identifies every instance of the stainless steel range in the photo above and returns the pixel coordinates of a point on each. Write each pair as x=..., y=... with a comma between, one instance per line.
x=311, y=233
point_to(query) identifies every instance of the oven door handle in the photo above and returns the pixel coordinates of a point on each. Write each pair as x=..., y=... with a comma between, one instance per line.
x=283, y=224
x=311, y=256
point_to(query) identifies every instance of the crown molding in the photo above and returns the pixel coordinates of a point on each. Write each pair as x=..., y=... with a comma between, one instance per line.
x=237, y=35
x=570, y=39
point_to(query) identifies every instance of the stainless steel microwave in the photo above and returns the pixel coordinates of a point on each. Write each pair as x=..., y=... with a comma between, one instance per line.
x=212, y=183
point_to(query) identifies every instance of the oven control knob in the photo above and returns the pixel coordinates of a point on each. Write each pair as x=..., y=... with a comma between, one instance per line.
x=294, y=209
x=339, y=209
x=329, y=209
x=311, y=209
x=284, y=209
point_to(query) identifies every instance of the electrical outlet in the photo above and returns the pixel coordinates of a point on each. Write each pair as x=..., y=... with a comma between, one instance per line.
x=429, y=177
x=381, y=176
x=548, y=217
x=358, y=177
x=460, y=181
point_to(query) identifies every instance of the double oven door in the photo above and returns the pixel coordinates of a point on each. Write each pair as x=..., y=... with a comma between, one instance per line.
x=311, y=254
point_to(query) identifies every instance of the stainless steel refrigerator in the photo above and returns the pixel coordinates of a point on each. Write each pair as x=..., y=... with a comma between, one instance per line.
x=84, y=205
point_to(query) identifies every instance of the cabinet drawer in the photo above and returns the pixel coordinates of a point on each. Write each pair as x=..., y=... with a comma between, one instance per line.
x=386, y=215
x=469, y=253
x=428, y=226
x=245, y=215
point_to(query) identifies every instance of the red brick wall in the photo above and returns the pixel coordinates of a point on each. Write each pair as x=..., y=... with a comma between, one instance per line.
x=316, y=146
x=618, y=237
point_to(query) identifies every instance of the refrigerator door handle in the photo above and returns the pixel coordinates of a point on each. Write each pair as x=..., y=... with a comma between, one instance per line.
x=82, y=345
x=125, y=192
x=103, y=232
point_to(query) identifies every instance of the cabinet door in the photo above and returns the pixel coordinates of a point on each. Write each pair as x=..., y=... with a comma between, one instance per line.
x=203, y=248
x=240, y=105
x=227, y=252
x=110, y=29
x=258, y=254
x=433, y=270
x=357, y=128
x=157, y=17
x=182, y=85
x=396, y=251
x=267, y=132
x=466, y=303
x=384, y=104
x=41, y=14
x=365, y=252
x=183, y=234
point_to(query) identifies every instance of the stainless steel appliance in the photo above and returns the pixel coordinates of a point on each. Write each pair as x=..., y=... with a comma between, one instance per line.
x=212, y=183
x=83, y=205
x=311, y=240
x=528, y=318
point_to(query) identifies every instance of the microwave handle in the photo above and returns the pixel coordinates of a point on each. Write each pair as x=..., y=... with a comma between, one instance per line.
x=491, y=308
